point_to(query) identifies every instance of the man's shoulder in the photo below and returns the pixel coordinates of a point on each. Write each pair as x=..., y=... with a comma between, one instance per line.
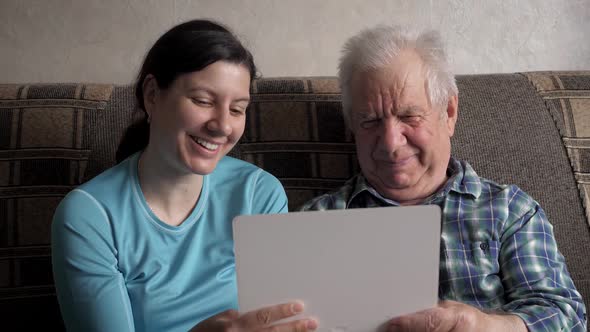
x=334, y=200
x=494, y=193
x=494, y=190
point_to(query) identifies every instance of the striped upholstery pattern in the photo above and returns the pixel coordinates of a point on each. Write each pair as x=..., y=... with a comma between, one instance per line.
x=45, y=145
x=43, y=155
x=295, y=130
x=567, y=95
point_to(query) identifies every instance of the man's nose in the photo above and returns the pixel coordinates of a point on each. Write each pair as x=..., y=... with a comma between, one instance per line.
x=393, y=134
x=220, y=123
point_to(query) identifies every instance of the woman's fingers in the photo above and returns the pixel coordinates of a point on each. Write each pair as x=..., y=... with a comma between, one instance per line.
x=303, y=325
x=267, y=315
x=260, y=320
x=220, y=322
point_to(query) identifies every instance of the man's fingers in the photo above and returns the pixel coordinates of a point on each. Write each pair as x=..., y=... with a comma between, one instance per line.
x=266, y=316
x=431, y=320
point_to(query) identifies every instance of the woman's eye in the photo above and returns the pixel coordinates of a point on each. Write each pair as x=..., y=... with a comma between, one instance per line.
x=201, y=102
x=237, y=111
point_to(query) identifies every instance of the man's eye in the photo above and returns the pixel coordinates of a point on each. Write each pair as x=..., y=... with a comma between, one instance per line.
x=370, y=123
x=410, y=118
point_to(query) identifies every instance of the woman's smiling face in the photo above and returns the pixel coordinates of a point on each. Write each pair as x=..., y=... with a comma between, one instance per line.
x=198, y=119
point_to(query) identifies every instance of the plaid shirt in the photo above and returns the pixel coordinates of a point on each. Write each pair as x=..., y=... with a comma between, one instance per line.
x=497, y=252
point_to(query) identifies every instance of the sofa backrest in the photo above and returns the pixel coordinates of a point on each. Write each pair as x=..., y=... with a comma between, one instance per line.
x=51, y=138
x=530, y=129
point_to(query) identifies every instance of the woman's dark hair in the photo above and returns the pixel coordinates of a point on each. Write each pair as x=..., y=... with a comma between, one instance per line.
x=186, y=48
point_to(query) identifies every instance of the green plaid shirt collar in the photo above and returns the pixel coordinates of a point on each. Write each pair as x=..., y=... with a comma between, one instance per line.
x=462, y=180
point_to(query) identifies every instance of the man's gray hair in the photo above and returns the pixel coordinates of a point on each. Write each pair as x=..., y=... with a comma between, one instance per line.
x=375, y=48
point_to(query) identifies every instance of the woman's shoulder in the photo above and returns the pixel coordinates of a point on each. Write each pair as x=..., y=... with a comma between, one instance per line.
x=229, y=166
x=261, y=190
x=111, y=180
x=232, y=170
x=95, y=196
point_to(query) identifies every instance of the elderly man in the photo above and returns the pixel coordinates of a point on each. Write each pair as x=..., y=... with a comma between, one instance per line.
x=500, y=268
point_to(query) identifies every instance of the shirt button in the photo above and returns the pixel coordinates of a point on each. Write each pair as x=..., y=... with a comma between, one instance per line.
x=484, y=246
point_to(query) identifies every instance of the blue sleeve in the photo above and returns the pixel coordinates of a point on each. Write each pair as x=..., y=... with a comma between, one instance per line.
x=90, y=288
x=269, y=196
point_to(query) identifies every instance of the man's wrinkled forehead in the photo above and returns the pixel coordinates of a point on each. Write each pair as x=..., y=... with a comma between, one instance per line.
x=397, y=83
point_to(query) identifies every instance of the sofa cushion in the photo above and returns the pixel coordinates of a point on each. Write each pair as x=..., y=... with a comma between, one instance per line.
x=295, y=130
x=567, y=95
x=44, y=153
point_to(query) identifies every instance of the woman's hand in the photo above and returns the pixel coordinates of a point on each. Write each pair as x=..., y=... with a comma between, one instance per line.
x=258, y=320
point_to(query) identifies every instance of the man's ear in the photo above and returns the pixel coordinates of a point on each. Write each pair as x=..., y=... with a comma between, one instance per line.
x=150, y=91
x=452, y=114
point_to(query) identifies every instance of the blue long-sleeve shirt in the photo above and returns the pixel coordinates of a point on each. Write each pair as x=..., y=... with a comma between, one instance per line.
x=117, y=267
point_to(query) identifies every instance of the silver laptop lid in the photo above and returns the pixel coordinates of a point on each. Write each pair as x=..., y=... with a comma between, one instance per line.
x=354, y=269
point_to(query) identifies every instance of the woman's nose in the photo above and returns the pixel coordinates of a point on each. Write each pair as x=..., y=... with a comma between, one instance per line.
x=219, y=124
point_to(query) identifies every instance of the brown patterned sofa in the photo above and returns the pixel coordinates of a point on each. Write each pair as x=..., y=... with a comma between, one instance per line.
x=531, y=129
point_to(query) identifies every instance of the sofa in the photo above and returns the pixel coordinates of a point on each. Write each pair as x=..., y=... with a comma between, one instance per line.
x=531, y=129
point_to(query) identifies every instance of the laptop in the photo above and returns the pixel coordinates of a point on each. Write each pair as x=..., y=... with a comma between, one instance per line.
x=354, y=269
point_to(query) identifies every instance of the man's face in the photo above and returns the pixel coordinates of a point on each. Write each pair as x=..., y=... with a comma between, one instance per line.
x=403, y=142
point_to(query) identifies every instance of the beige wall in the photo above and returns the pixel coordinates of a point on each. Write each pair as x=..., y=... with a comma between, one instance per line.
x=105, y=40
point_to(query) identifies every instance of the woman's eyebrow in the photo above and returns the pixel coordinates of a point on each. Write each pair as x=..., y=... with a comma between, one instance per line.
x=201, y=89
x=212, y=93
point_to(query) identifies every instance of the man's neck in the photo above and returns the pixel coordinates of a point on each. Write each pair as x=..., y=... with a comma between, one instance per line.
x=408, y=196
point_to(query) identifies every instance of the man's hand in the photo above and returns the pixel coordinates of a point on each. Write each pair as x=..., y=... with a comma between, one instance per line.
x=258, y=320
x=450, y=316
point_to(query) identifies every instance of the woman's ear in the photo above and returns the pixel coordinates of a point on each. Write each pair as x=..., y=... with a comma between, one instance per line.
x=150, y=90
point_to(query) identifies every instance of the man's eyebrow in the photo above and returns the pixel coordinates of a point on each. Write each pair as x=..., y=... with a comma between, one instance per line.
x=366, y=114
x=411, y=109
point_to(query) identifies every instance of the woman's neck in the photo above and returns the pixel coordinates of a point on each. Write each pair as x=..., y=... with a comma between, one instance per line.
x=170, y=194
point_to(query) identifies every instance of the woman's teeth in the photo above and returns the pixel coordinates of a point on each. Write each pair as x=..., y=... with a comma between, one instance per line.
x=205, y=144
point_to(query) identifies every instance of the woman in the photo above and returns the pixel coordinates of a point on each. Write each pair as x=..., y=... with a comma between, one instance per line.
x=147, y=245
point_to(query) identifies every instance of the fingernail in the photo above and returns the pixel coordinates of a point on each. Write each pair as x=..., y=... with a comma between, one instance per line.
x=311, y=325
x=393, y=326
x=296, y=307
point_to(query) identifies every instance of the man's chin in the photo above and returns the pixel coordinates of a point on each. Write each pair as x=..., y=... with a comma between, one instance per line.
x=403, y=194
x=396, y=181
x=392, y=185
